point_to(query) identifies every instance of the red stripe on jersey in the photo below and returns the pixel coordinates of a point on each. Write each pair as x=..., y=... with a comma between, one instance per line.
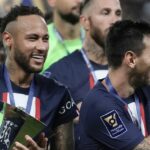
x=4, y=97
x=91, y=79
x=37, y=109
x=143, y=117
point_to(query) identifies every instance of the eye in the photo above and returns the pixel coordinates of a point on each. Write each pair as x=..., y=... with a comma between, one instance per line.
x=32, y=38
x=118, y=13
x=46, y=38
x=105, y=12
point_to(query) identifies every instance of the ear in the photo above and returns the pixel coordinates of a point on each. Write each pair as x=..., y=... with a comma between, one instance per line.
x=84, y=20
x=7, y=39
x=51, y=3
x=130, y=59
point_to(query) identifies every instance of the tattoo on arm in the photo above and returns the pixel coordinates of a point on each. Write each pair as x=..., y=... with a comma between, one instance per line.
x=64, y=137
x=144, y=145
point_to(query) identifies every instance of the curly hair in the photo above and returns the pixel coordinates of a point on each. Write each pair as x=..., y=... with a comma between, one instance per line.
x=17, y=11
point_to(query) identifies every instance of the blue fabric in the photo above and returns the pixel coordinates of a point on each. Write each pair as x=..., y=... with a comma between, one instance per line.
x=54, y=98
x=74, y=73
x=27, y=2
x=95, y=128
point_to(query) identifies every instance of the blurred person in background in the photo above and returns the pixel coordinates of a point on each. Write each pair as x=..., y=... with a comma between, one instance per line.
x=65, y=32
x=6, y=5
x=80, y=70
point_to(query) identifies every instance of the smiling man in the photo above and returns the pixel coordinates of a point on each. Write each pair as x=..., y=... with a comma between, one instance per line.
x=25, y=38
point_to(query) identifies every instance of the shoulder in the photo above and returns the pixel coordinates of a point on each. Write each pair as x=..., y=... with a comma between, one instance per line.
x=99, y=99
x=72, y=58
x=48, y=83
x=71, y=61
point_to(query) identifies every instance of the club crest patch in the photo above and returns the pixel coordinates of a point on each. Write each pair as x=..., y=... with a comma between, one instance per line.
x=113, y=124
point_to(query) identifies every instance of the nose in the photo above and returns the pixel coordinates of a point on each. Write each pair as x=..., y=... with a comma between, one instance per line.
x=115, y=18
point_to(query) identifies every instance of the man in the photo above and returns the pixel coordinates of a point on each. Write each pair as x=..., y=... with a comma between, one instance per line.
x=115, y=114
x=25, y=38
x=81, y=69
x=65, y=31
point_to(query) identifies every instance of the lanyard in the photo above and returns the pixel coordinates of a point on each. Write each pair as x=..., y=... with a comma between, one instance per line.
x=89, y=65
x=11, y=95
x=61, y=39
x=114, y=93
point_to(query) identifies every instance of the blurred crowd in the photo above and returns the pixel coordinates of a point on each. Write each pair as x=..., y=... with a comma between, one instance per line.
x=133, y=9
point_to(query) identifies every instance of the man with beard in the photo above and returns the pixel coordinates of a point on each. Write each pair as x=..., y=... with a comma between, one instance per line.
x=81, y=69
x=25, y=38
x=65, y=32
x=115, y=114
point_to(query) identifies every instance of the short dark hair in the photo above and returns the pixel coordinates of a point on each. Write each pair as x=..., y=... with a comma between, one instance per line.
x=124, y=36
x=19, y=11
x=84, y=4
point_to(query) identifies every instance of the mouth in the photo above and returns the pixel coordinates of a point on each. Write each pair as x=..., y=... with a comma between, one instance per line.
x=39, y=58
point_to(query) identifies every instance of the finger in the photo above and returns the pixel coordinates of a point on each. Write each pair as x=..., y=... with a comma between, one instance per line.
x=42, y=140
x=19, y=146
x=30, y=142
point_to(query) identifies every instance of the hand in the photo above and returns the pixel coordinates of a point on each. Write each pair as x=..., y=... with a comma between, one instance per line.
x=31, y=144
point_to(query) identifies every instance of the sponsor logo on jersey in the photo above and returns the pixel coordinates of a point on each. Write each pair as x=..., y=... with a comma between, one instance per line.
x=113, y=124
x=68, y=105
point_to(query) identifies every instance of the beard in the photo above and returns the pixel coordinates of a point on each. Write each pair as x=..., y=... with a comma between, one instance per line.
x=138, y=79
x=96, y=34
x=23, y=61
x=70, y=17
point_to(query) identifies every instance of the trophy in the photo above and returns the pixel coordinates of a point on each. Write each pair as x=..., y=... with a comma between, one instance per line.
x=15, y=124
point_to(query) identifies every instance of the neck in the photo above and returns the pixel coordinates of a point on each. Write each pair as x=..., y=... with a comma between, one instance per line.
x=18, y=76
x=119, y=80
x=69, y=31
x=94, y=52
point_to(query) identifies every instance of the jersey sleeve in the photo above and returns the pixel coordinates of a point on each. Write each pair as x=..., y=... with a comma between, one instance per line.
x=112, y=126
x=67, y=110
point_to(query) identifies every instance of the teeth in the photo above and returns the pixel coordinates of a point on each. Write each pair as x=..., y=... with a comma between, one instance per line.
x=38, y=57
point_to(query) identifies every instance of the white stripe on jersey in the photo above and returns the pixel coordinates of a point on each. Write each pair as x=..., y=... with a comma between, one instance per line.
x=21, y=101
x=100, y=74
x=133, y=109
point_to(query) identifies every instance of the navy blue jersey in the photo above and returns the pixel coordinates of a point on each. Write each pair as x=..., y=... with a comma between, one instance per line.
x=74, y=73
x=106, y=124
x=52, y=103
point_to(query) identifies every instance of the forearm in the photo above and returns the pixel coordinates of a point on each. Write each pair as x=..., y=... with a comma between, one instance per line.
x=64, y=138
x=144, y=145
